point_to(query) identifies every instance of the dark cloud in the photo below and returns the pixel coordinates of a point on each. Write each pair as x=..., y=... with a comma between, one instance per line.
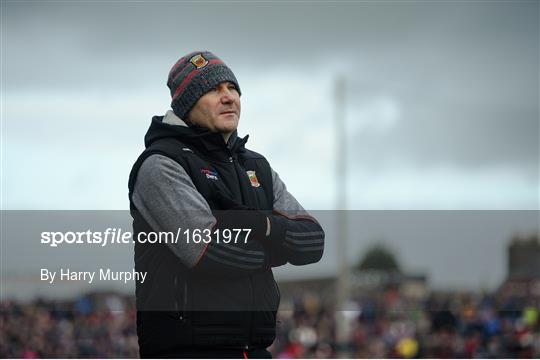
x=63, y=37
x=464, y=74
x=469, y=136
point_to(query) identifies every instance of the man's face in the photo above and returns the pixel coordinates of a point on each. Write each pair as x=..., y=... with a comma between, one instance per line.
x=218, y=110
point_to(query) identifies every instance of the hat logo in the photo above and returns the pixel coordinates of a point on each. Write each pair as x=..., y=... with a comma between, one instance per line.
x=199, y=61
x=253, y=178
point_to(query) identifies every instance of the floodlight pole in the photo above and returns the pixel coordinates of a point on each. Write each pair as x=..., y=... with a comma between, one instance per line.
x=342, y=293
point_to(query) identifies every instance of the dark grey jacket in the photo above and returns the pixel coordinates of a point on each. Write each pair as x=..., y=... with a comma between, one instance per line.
x=212, y=294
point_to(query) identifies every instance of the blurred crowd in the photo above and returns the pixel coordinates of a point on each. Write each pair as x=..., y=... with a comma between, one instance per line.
x=388, y=325
x=385, y=324
x=97, y=326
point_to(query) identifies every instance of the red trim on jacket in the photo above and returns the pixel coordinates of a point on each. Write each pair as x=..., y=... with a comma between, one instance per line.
x=205, y=246
x=297, y=217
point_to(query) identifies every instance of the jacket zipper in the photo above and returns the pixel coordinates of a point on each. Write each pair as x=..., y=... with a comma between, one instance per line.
x=250, y=319
x=229, y=152
x=231, y=160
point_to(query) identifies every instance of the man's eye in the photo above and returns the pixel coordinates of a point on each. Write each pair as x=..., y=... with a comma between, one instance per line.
x=232, y=87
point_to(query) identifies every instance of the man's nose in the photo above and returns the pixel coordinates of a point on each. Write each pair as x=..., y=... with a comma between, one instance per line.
x=227, y=96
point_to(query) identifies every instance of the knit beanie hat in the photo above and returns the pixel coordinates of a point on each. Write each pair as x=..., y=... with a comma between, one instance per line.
x=193, y=76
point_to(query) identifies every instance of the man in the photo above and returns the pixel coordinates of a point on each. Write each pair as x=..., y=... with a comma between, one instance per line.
x=205, y=296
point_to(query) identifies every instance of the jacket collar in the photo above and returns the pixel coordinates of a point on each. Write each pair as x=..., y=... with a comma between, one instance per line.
x=170, y=125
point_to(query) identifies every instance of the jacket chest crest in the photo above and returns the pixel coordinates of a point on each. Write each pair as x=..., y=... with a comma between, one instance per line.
x=252, y=175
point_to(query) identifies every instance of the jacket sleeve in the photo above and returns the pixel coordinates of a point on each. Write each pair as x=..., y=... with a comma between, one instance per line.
x=167, y=199
x=295, y=237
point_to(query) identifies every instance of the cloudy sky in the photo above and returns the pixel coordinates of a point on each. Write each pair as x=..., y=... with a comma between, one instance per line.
x=442, y=107
x=442, y=97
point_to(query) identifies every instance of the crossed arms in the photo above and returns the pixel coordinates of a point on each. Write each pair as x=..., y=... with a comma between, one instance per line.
x=167, y=199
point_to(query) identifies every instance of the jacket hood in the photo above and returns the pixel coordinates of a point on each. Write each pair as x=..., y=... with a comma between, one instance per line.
x=171, y=125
